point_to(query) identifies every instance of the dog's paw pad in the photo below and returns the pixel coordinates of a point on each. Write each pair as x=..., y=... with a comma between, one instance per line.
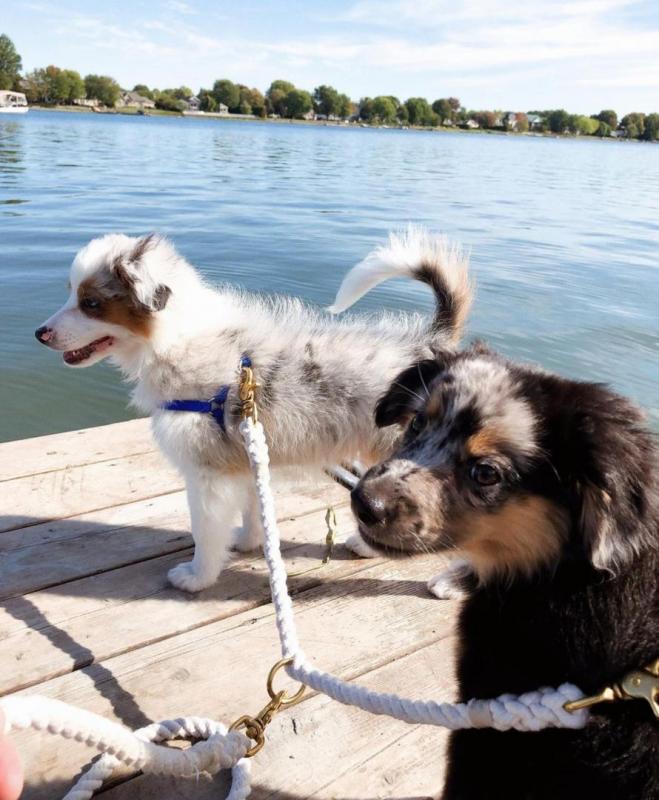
x=446, y=586
x=184, y=577
x=359, y=547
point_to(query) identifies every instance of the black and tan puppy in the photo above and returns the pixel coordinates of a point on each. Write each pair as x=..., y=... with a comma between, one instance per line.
x=548, y=487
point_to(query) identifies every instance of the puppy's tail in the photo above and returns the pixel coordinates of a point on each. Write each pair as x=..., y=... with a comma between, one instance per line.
x=416, y=254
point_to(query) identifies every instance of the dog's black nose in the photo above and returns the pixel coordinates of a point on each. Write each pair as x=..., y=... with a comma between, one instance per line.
x=44, y=334
x=367, y=511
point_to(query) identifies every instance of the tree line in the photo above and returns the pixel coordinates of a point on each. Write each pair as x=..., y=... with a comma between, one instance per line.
x=55, y=86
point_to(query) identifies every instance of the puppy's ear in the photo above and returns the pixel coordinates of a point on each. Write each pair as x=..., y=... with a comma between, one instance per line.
x=407, y=393
x=609, y=463
x=139, y=278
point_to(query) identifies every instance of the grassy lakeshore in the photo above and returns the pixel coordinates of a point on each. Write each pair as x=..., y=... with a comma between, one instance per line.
x=155, y=112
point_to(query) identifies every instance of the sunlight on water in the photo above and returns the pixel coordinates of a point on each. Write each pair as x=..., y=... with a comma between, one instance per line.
x=563, y=234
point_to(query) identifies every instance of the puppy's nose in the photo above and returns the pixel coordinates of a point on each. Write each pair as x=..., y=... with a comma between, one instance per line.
x=44, y=334
x=367, y=509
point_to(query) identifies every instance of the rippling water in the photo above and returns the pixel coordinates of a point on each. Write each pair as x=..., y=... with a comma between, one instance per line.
x=564, y=235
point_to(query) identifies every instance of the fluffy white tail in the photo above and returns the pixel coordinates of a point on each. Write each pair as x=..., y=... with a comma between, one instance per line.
x=418, y=255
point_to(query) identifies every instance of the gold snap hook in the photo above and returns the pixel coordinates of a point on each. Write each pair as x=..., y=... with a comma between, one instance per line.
x=246, y=394
x=254, y=727
x=286, y=700
x=637, y=684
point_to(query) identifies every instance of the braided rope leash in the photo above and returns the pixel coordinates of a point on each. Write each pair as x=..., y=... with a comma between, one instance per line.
x=222, y=749
x=532, y=711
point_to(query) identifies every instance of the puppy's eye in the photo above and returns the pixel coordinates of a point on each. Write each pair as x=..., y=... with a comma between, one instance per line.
x=90, y=303
x=485, y=474
x=416, y=426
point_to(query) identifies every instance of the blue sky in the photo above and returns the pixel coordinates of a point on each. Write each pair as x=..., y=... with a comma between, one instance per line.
x=583, y=55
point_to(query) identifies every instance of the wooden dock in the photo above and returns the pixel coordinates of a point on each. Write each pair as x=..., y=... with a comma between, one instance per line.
x=90, y=522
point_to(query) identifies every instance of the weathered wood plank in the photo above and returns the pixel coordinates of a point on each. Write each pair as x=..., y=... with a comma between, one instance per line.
x=352, y=626
x=53, y=632
x=325, y=750
x=75, y=448
x=78, y=490
x=90, y=543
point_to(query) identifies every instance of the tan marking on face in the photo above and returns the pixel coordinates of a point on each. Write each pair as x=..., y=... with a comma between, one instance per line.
x=484, y=443
x=118, y=304
x=435, y=406
x=524, y=534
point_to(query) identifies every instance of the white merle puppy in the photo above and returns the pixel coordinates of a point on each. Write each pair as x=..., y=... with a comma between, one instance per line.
x=137, y=302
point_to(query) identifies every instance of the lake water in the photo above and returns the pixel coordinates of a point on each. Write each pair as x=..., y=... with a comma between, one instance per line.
x=564, y=235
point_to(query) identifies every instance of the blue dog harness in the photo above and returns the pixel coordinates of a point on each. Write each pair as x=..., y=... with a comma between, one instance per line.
x=214, y=406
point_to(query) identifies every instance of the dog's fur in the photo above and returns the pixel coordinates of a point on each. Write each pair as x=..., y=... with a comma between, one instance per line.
x=139, y=303
x=549, y=488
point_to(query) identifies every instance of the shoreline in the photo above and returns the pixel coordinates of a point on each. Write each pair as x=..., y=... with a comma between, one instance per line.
x=133, y=112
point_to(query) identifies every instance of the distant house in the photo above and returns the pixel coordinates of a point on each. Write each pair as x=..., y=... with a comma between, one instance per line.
x=471, y=124
x=134, y=100
x=535, y=121
x=509, y=120
x=222, y=108
x=309, y=115
x=86, y=102
x=193, y=103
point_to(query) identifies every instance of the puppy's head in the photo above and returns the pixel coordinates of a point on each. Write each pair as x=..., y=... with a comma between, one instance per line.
x=515, y=467
x=118, y=285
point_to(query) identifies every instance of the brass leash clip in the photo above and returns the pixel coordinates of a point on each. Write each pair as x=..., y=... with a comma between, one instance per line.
x=246, y=393
x=254, y=727
x=639, y=683
x=330, y=538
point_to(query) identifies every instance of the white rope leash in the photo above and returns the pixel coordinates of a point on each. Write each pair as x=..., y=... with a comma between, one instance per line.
x=222, y=749
x=219, y=750
x=532, y=711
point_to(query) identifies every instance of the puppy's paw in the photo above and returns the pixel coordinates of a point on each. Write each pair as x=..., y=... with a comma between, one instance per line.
x=359, y=547
x=453, y=582
x=184, y=577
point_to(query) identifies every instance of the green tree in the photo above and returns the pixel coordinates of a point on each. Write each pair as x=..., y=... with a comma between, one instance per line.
x=384, y=109
x=35, y=85
x=298, y=103
x=558, y=120
x=604, y=129
x=257, y=101
x=276, y=96
x=143, y=90
x=10, y=64
x=443, y=109
x=585, y=126
x=609, y=116
x=102, y=88
x=72, y=86
x=344, y=106
x=326, y=100
x=402, y=113
x=651, y=128
x=420, y=112
x=182, y=93
x=166, y=101
x=633, y=125
x=206, y=100
x=53, y=85
x=225, y=91
x=365, y=109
